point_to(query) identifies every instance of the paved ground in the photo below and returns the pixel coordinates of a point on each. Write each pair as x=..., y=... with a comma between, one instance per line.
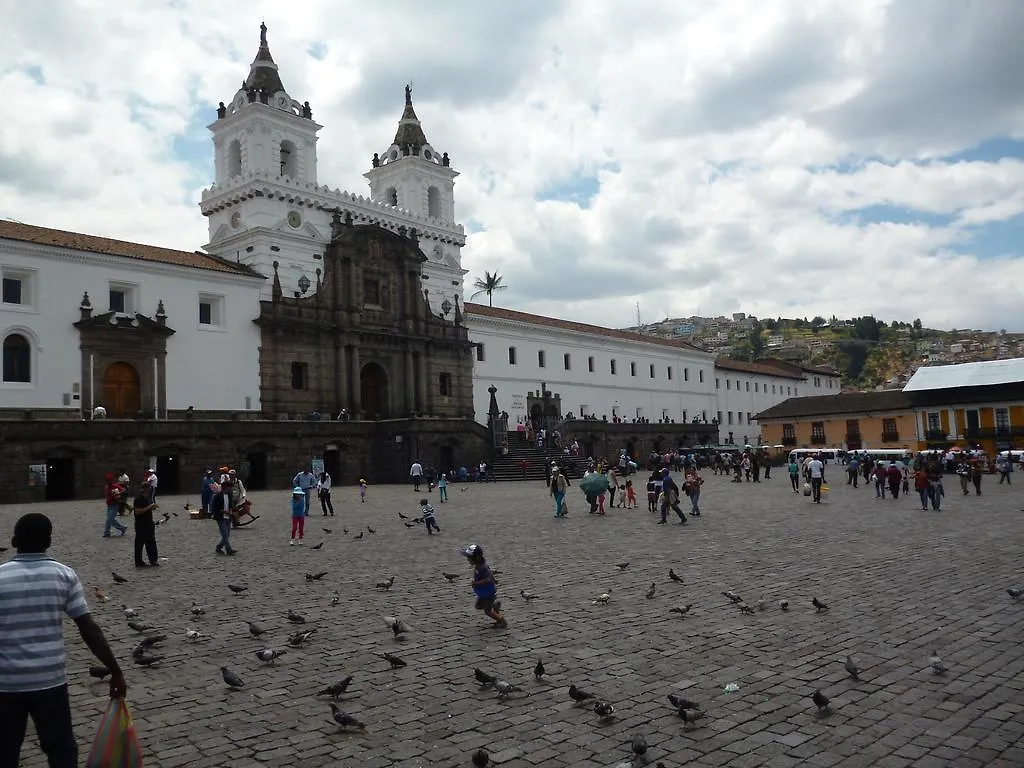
x=900, y=582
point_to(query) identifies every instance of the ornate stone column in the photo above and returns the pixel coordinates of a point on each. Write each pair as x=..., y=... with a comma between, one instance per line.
x=410, y=381
x=355, y=380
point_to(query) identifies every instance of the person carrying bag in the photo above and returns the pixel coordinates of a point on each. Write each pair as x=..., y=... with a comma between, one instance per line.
x=116, y=744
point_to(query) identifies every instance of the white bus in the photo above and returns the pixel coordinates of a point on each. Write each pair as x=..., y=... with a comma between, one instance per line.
x=886, y=454
x=835, y=455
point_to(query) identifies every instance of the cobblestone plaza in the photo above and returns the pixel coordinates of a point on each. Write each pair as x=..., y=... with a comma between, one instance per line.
x=899, y=582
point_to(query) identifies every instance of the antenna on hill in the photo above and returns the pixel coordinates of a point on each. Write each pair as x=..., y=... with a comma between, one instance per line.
x=639, y=324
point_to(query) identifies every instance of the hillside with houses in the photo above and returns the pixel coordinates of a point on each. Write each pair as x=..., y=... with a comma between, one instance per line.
x=870, y=353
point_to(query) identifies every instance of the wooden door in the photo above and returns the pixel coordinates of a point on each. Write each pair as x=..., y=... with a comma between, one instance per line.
x=122, y=394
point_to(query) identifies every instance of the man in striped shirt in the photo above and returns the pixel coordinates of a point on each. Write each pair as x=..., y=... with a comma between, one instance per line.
x=35, y=592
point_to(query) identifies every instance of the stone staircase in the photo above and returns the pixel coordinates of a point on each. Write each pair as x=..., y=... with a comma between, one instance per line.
x=508, y=467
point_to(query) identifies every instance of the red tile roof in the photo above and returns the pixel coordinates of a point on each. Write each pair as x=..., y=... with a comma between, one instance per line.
x=26, y=233
x=770, y=367
x=567, y=325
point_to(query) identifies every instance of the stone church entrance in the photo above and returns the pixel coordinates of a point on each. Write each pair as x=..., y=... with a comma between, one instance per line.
x=373, y=384
x=122, y=396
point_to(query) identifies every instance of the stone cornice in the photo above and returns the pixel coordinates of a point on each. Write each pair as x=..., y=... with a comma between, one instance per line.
x=363, y=209
x=72, y=256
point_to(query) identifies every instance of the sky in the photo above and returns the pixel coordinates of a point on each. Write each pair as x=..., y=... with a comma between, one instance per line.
x=771, y=157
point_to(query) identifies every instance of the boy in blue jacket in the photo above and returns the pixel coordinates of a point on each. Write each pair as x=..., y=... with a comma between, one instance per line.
x=484, y=586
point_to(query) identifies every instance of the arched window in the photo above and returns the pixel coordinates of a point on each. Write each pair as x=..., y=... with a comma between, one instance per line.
x=17, y=359
x=289, y=160
x=434, y=203
x=391, y=196
x=234, y=159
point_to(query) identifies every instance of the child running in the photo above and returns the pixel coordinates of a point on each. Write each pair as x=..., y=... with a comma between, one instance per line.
x=362, y=491
x=630, y=495
x=298, y=515
x=484, y=586
x=427, y=516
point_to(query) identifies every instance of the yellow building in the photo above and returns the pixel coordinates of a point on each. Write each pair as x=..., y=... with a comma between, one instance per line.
x=971, y=405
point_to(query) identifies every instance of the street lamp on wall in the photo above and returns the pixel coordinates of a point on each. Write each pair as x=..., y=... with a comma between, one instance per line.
x=303, y=284
x=446, y=307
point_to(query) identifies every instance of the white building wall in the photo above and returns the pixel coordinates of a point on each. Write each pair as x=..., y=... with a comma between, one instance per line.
x=208, y=368
x=601, y=391
x=742, y=395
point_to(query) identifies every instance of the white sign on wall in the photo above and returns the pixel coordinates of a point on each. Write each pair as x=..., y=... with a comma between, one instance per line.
x=517, y=404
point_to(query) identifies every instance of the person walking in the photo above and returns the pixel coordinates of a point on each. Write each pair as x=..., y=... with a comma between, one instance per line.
x=817, y=472
x=852, y=471
x=323, y=489
x=113, y=493
x=35, y=593
x=305, y=480
x=691, y=485
x=298, y=515
x=220, y=507
x=556, y=487
x=442, y=488
x=976, y=473
x=1004, y=466
x=416, y=473
x=670, y=498
x=145, y=526
x=794, y=474
x=935, y=489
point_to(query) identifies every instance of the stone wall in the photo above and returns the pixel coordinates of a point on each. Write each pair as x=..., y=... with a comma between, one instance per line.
x=268, y=453
x=602, y=438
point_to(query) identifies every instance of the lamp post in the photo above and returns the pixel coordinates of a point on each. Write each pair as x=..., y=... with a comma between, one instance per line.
x=303, y=284
x=446, y=307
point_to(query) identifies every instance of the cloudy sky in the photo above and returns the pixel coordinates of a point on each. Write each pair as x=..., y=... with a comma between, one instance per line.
x=778, y=157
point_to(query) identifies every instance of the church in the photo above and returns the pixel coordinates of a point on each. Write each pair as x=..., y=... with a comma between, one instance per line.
x=314, y=325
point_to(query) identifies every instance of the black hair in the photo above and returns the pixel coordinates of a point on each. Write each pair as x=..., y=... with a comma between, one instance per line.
x=423, y=502
x=32, y=533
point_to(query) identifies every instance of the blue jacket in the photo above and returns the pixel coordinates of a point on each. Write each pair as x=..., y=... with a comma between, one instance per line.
x=298, y=506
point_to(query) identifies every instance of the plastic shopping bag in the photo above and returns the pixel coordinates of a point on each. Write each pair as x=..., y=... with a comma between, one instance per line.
x=807, y=489
x=116, y=744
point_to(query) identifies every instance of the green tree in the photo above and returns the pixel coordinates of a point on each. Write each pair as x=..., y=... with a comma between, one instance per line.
x=818, y=321
x=488, y=284
x=756, y=341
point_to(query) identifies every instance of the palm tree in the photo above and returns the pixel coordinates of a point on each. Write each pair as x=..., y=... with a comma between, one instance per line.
x=488, y=284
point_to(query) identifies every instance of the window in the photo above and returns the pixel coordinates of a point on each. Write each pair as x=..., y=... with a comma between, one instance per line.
x=1002, y=418
x=669, y=372
x=511, y=355
x=700, y=376
x=611, y=366
x=728, y=384
x=664, y=415
x=773, y=389
x=584, y=411
x=889, y=433
x=853, y=430
x=818, y=432
x=747, y=386
x=118, y=300
x=789, y=391
x=234, y=159
x=686, y=374
x=122, y=298
x=737, y=385
x=540, y=358
x=289, y=160
x=445, y=385
x=756, y=387
x=211, y=311
x=479, y=353
x=684, y=415
x=566, y=361
x=391, y=196
x=788, y=434
x=750, y=417
x=934, y=422
x=651, y=370
x=17, y=360
x=729, y=414
x=371, y=292
x=718, y=383
x=830, y=383
x=434, y=203
x=632, y=369
x=590, y=364
x=13, y=293
x=300, y=375
x=719, y=417
x=639, y=413
x=796, y=392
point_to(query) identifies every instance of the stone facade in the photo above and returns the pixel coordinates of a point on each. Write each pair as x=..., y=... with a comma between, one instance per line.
x=366, y=340
x=600, y=438
x=78, y=454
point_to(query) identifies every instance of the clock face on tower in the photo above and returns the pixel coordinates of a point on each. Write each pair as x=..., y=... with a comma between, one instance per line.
x=294, y=219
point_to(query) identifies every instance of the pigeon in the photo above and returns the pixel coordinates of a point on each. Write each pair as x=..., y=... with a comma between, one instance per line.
x=480, y=758
x=237, y=588
x=359, y=536
x=255, y=629
x=783, y=605
x=690, y=716
x=851, y=668
x=335, y=598
x=385, y=586
x=151, y=640
x=193, y=635
x=318, y=546
x=118, y=578
x=761, y=603
x=296, y=618
x=602, y=599
x=604, y=710
x=538, y=671
x=650, y=592
x=450, y=577
x=483, y=678
x=393, y=660
x=410, y=525
x=744, y=608
x=327, y=530
x=129, y=613
x=335, y=690
x=299, y=638
x=370, y=530
x=733, y=596
x=622, y=566
x=269, y=655
x=146, y=661
x=639, y=745
x=196, y=610
x=315, y=576
x=578, y=695
x=139, y=627
x=818, y=605
x=98, y=671
x=404, y=517
x=344, y=719
x=821, y=702
x=937, y=664
x=675, y=576
x=504, y=688
x=99, y=594
x=231, y=679
x=344, y=530
x=527, y=595
x=680, y=703
x=682, y=610
x=396, y=625
x=1015, y=592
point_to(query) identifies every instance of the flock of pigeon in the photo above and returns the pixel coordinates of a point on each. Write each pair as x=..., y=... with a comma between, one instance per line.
x=146, y=653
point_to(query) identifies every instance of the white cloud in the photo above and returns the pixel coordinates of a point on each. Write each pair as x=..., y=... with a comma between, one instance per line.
x=731, y=140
